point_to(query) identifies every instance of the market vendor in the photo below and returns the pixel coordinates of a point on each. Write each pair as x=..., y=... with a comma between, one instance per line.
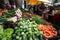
x=50, y=13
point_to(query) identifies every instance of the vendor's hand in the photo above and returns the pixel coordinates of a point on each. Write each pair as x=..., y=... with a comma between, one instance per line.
x=51, y=15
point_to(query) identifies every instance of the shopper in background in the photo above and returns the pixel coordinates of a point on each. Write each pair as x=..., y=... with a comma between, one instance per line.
x=13, y=6
x=35, y=9
x=41, y=8
x=8, y=6
x=44, y=14
x=31, y=9
x=4, y=6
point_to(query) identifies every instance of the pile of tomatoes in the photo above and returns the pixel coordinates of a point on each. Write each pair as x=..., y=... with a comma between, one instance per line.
x=48, y=31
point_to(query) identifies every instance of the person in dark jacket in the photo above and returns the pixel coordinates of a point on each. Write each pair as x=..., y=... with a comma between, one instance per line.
x=50, y=13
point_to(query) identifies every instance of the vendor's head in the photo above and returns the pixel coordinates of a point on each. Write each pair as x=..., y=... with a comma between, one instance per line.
x=46, y=4
x=50, y=8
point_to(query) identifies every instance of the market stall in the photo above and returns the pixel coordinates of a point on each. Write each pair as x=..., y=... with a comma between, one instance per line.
x=15, y=25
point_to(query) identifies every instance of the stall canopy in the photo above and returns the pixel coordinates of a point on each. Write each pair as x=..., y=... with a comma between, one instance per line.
x=33, y=2
x=49, y=2
x=46, y=1
x=27, y=1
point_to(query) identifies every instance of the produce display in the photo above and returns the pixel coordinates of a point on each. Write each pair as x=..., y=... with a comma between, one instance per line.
x=5, y=34
x=27, y=30
x=38, y=20
x=26, y=12
x=9, y=14
x=6, y=16
x=48, y=31
x=16, y=26
x=35, y=18
x=9, y=24
x=0, y=13
x=17, y=16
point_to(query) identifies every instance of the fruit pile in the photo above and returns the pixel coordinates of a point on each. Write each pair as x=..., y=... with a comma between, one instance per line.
x=48, y=31
x=27, y=30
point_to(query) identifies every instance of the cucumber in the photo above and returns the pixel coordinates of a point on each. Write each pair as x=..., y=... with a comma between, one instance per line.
x=41, y=38
x=30, y=38
x=20, y=38
x=4, y=39
x=34, y=38
x=22, y=33
x=24, y=37
x=17, y=37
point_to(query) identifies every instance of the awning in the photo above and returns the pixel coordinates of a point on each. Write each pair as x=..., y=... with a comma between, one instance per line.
x=27, y=1
x=33, y=2
x=46, y=1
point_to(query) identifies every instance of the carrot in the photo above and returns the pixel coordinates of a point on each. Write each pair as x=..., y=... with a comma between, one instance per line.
x=47, y=34
x=54, y=33
x=48, y=31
